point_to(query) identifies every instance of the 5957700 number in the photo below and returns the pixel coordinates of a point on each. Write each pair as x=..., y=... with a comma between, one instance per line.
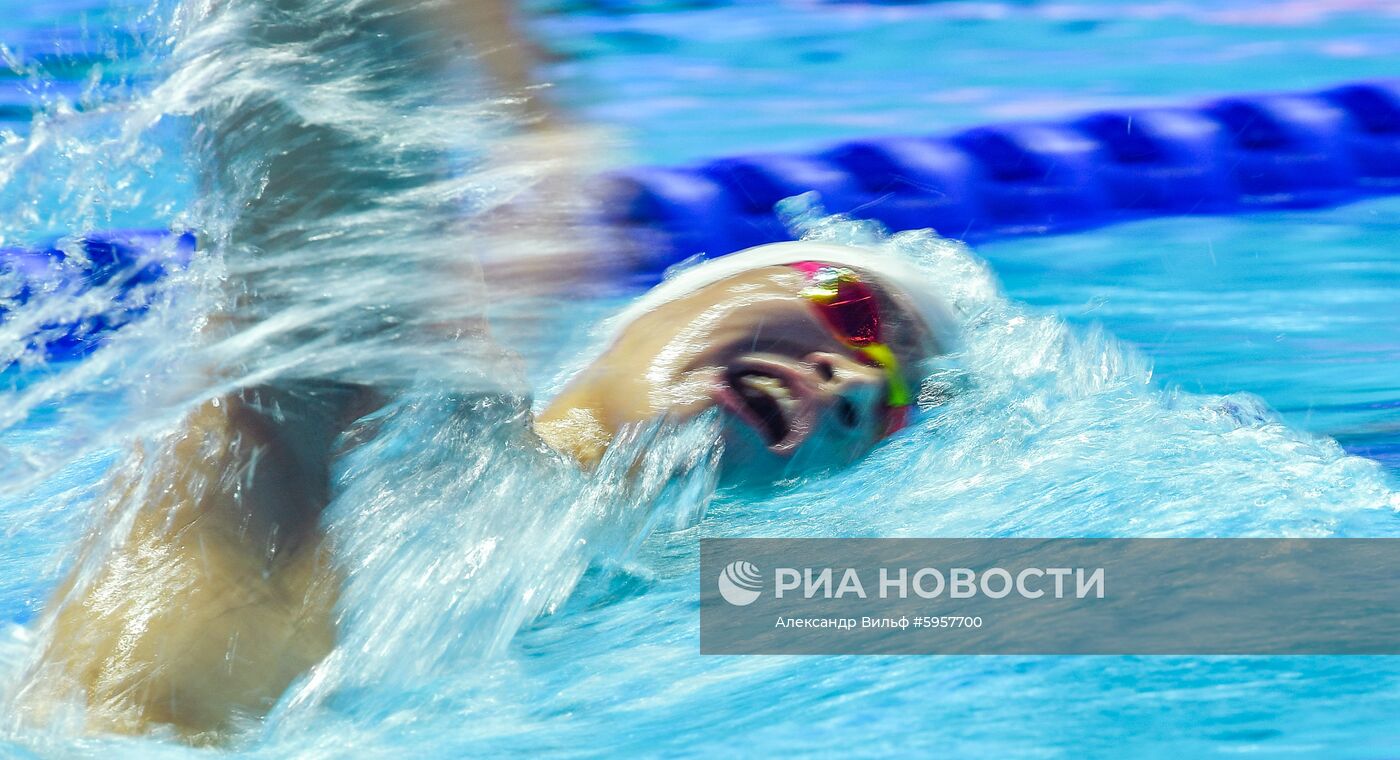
x=947, y=621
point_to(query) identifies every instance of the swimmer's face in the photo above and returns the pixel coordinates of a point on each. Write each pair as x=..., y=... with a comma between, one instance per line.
x=791, y=392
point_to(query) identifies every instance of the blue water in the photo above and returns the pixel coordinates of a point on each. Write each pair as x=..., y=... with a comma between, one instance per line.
x=772, y=75
x=1295, y=307
x=1178, y=377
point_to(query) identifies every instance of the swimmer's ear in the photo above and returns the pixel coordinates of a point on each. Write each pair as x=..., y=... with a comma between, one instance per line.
x=933, y=325
x=912, y=336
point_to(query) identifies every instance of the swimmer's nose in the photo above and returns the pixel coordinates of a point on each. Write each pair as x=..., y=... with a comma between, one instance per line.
x=852, y=392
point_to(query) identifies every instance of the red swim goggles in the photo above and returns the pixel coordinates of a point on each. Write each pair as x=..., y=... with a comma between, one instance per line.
x=849, y=308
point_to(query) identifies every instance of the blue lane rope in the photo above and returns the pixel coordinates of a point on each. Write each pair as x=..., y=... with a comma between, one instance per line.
x=1230, y=155
x=124, y=260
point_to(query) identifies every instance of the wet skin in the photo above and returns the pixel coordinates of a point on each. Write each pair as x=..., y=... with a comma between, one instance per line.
x=792, y=395
x=223, y=592
x=222, y=589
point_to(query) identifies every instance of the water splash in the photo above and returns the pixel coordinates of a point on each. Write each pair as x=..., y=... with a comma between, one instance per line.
x=471, y=620
x=330, y=247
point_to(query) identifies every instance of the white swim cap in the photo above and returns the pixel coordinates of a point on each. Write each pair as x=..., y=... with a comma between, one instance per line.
x=900, y=277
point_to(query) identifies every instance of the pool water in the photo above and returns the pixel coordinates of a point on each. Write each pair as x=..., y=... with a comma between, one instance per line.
x=1216, y=376
x=1294, y=307
x=753, y=76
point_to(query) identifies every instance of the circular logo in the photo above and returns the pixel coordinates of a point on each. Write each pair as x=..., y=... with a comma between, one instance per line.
x=740, y=583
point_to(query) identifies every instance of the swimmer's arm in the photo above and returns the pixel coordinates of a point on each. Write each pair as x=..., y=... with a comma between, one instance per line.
x=221, y=592
x=493, y=32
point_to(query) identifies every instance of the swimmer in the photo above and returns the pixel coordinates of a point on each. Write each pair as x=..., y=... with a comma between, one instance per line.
x=810, y=353
x=221, y=591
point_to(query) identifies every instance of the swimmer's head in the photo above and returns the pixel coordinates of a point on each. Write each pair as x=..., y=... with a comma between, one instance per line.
x=810, y=352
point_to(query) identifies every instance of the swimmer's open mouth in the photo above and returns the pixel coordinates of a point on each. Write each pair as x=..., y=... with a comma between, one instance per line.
x=772, y=398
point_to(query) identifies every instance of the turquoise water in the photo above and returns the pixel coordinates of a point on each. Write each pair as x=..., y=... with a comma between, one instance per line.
x=770, y=75
x=1178, y=377
x=1296, y=308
